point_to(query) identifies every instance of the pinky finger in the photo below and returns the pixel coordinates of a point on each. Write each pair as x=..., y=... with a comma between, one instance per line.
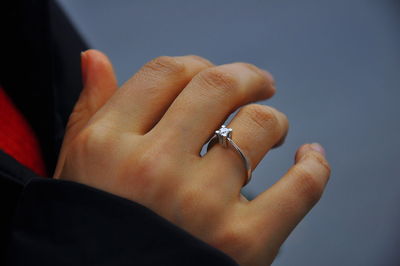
x=284, y=205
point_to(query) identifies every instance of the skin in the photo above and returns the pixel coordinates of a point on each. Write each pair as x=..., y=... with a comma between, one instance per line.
x=143, y=141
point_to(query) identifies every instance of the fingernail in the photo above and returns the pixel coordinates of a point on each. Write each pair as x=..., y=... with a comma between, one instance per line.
x=318, y=148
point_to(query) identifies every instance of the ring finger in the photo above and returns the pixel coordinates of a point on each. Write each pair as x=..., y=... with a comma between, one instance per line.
x=207, y=101
x=256, y=129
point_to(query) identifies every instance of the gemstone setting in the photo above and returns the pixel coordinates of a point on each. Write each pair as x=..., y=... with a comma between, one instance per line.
x=224, y=134
x=224, y=131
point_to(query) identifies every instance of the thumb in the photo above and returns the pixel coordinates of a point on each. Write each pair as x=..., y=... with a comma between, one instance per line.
x=99, y=84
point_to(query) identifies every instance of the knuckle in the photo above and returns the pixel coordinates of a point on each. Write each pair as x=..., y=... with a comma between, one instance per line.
x=307, y=185
x=96, y=136
x=285, y=122
x=92, y=141
x=84, y=136
x=75, y=117
x=190, y=199
x=143, y=173
x=144, y=168
x=260, y=79
x=254, y=69
x=216, y=77
x=148, y=161
x=263, y=116
x=193, y=198
x=235, y=237
x=165, y=64
x=201, y=59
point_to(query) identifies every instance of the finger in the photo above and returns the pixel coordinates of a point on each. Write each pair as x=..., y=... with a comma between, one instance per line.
x=284, y=205
x=208, y=99
x=256, y=129
x=99, y=85
x=141, y=101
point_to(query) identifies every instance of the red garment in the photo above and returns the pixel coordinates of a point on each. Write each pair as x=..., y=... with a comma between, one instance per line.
x=17, y=138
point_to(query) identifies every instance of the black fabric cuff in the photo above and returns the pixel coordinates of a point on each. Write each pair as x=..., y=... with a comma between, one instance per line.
x=65, y=223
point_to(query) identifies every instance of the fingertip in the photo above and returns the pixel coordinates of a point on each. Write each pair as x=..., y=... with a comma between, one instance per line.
x=272, y=90
x=305, y=148
x=97, y=59
x=271, y=80
x=94, y=52
x=270, y=77
x=301, y=151
x=318, y=148
x=99, y=71
x=84, y=67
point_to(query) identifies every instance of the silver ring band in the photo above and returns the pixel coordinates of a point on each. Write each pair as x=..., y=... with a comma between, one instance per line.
x=224, y=137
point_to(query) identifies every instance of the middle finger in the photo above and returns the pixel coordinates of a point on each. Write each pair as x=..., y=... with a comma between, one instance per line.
x=208, y=100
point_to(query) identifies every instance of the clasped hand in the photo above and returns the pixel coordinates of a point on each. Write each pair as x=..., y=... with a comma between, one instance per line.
x=143, y=142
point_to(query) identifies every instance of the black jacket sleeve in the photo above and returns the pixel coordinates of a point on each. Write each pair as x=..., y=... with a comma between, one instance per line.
x=49, y=222
x=65, y=223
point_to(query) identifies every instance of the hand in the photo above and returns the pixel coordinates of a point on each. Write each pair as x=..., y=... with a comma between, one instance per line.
x=142, y=142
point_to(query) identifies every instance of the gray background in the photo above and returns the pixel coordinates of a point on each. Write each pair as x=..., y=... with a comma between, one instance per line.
x=337, y=66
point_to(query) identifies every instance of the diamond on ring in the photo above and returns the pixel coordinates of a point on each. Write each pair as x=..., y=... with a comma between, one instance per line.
x=224, y=137
x=223, y=134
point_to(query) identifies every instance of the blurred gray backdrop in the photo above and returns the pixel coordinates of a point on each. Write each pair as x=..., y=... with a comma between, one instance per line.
x=337, y=67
